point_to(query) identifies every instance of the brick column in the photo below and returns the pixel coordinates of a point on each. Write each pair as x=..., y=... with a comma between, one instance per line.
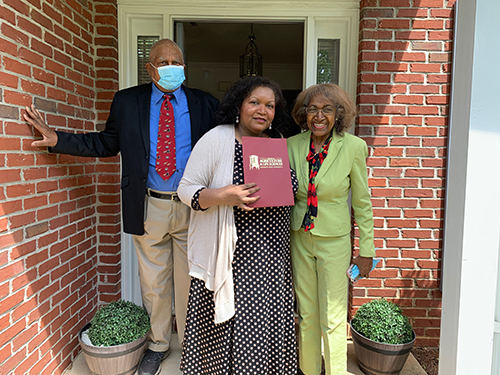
x=403, y=95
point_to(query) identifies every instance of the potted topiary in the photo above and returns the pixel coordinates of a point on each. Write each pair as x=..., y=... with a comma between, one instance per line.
x=113, y=342
x=382, y=337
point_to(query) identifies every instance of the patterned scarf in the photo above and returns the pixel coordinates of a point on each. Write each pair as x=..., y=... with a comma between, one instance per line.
x=315, y=161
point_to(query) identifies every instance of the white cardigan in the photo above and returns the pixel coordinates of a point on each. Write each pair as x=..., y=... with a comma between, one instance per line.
x=212, y=233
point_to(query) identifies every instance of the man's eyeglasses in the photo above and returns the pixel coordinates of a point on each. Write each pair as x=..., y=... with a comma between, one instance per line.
x=327, y=111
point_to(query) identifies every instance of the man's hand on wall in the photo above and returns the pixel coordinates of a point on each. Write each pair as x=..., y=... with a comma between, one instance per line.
x=34, y=117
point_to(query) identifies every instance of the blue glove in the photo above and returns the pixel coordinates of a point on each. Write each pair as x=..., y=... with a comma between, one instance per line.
x=353, y=271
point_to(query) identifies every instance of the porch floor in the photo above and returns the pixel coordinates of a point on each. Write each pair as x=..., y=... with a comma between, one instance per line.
x=171, y=365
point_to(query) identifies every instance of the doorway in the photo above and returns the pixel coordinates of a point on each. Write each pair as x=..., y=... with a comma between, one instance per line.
x=212, y=50
x=301, y=45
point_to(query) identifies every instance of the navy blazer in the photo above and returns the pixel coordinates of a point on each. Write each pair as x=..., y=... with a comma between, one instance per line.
x=127, y=132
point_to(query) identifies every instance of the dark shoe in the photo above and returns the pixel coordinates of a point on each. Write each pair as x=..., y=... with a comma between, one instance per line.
x=150, y=364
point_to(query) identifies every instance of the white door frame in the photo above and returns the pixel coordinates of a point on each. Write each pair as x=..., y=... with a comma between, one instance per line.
x=329, y=19
x=322, y=19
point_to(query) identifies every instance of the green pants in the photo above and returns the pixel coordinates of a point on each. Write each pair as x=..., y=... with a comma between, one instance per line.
x=319, y=276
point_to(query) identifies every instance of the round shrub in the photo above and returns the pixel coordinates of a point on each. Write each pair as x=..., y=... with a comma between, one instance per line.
x=118, y=322
x=382, y=321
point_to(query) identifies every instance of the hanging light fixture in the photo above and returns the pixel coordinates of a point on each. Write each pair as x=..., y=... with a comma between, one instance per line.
x=251, y=61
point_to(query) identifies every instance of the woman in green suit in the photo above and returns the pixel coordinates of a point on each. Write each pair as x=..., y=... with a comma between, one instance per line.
x=329, y=163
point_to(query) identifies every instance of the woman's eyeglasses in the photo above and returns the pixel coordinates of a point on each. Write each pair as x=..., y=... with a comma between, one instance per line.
x=327, y=111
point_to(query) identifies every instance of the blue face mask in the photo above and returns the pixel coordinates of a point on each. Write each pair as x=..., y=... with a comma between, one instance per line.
x=171, y=76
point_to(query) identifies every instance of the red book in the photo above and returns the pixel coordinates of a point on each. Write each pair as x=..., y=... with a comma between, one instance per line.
x=265, y=162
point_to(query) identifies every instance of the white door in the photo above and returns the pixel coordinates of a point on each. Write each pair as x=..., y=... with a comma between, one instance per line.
x=138, y=26
x=330, y=28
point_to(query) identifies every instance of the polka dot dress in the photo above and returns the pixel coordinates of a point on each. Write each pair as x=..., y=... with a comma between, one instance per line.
x=260, y=338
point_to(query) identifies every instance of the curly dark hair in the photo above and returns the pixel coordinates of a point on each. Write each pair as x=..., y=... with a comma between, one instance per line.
x=344, y=106
x=242, y=89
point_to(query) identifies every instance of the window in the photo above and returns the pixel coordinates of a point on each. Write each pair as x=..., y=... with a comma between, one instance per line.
x=144, y=44
x=328, y=61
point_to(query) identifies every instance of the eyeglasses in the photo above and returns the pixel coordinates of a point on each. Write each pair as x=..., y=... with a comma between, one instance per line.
x=327, y=111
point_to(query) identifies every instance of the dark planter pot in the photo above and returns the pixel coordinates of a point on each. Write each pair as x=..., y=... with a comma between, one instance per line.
x=375, y=358
x=113, y=360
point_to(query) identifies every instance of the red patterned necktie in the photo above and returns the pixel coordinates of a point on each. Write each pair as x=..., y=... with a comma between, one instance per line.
x=165, y=146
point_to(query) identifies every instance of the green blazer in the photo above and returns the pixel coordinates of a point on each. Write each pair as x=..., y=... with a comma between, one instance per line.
x=343, y=169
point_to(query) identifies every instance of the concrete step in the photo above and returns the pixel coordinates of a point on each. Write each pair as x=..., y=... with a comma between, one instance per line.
x=171, y=365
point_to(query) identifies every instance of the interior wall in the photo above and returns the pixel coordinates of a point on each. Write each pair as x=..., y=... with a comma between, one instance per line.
x=215, y=78
x=212, y=51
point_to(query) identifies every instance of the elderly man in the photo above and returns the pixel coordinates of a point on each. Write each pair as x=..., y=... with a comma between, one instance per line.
x=154, y=127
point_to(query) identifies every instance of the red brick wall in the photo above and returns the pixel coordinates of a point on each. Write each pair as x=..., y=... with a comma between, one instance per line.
x=403, y=97
x=59, y=215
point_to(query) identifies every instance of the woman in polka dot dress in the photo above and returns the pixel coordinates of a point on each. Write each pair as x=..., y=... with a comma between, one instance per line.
x=240, y=311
